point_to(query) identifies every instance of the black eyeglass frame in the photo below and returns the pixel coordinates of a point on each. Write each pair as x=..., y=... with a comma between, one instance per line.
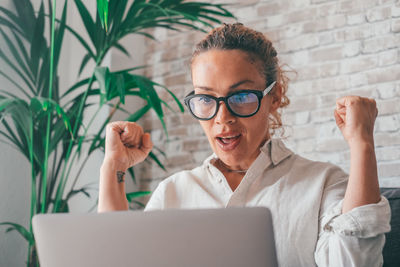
x=259, y=94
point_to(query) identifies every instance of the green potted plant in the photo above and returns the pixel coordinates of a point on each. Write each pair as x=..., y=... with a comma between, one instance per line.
x=45, y=122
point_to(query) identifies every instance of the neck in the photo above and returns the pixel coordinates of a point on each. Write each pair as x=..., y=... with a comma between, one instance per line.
x=227, y=169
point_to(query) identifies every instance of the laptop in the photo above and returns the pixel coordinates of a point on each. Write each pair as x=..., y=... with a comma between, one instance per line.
x=172, y=238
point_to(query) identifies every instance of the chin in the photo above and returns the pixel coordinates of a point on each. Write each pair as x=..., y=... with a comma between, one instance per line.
x=231, y=158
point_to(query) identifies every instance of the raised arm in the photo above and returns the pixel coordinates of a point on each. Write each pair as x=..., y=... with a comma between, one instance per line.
x=126, y=145
x=355, y=116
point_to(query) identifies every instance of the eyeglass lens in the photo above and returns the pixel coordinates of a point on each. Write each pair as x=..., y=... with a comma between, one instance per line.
x=242, y=104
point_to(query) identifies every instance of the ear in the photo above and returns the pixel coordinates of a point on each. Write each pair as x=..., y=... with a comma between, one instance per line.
x=276, y=98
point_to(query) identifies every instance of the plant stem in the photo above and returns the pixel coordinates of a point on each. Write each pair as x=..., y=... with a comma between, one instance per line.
x=63, y=180
x=61, y=186
x=115, y=108
x=47, y=143
x=33, y=186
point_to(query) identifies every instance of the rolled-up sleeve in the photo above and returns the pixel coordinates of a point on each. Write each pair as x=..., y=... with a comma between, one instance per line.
x=354, y=238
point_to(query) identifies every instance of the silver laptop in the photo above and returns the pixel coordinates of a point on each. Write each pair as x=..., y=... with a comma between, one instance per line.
x=173, y=238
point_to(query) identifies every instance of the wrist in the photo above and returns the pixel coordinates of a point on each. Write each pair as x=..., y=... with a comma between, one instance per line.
x=114, y=165
x=361, y=142
x=364, y=147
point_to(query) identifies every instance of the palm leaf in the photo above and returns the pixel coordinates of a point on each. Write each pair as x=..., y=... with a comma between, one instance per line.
x=38, y=42
x=102, y=9
x=12, y=21
x=88, y=22
x=17, y=71
x=59, y=35
x=155, y=158
x=85, y=60
x=132, y=195
x=26, y=17
x=20, y=229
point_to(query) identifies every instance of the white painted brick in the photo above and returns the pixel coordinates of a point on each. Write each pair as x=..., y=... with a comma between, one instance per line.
x=298, y=58
x=352, y=49
x=377, y=14
x=290, y=31
x=328, y=130
x=358, y=64
x=275, y=21
x=388, y=57
x=387, y=123
x=270, y=8
x=299, y=43
x=353, y=33
x=388, y=107
x=386, y=139
x=246, y=12
x=354, y=19
x=389, y=170
x=322, y=115
x=300, y=4
x=384, y=154
x=305, y=146
x=387, y=90
x=358, y=79
x=336, y=83
x=364, y=91
x=327, y=9
x=303, y=132
x=302, y=88
x=329, y=69
x=389, y=181
x=332, y=145
x=173, y=147
x=302, y=117
x=396, y=11
x=380, y=75
x=320, y=1
x=395, y=25
x=367, y=63
x=326, y=38
x=381, y=28
x=380, y=43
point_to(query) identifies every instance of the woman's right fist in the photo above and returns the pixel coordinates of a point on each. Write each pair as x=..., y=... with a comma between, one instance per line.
x=126, y=144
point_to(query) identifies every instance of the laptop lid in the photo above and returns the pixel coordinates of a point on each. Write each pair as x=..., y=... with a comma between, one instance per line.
x=211, y=237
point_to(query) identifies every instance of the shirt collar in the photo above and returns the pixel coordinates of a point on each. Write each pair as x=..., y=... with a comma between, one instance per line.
x=276, y=151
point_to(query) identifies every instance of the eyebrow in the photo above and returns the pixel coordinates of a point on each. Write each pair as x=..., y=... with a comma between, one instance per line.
x=233, y=86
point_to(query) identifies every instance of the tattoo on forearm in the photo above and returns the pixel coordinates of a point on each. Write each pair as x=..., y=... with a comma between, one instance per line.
x=120, y=176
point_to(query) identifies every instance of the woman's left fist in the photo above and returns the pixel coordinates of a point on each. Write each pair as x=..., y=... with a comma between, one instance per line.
x=355, y=116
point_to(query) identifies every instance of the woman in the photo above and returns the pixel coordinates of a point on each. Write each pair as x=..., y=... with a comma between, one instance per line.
x=322, y=216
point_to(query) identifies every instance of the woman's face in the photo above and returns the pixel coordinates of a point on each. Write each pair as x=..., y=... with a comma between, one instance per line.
x=236, y=141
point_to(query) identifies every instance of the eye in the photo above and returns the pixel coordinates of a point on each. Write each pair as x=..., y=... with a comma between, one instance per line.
x=240, y=98
x=205, y=100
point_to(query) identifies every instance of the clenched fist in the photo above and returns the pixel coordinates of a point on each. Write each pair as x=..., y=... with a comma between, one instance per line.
x=126, y=144
x=355, y=116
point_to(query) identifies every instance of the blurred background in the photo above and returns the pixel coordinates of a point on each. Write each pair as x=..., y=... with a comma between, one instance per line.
x=332, y=48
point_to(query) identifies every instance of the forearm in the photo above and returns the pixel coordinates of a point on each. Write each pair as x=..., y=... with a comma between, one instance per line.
x=363, y=186
x=111, y=189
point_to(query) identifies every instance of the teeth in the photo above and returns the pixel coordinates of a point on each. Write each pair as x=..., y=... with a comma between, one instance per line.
x=228, y=139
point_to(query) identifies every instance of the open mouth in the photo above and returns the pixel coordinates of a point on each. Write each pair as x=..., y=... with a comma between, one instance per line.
x=228, y=142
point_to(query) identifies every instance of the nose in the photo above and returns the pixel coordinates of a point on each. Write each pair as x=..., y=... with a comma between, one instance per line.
x=224, y=116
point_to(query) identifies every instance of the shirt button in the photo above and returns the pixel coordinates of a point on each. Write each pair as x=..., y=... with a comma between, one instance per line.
x=220, y=181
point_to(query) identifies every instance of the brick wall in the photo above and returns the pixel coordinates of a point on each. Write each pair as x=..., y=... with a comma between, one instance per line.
x=337, y=48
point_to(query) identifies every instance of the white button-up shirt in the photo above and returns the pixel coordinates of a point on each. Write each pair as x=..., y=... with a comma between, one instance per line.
x=305, y=199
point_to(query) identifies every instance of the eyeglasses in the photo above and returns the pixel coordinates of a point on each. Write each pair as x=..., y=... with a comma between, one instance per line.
x=243, y=103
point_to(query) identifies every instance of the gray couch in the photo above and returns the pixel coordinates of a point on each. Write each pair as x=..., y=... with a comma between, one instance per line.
x=391, y=251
